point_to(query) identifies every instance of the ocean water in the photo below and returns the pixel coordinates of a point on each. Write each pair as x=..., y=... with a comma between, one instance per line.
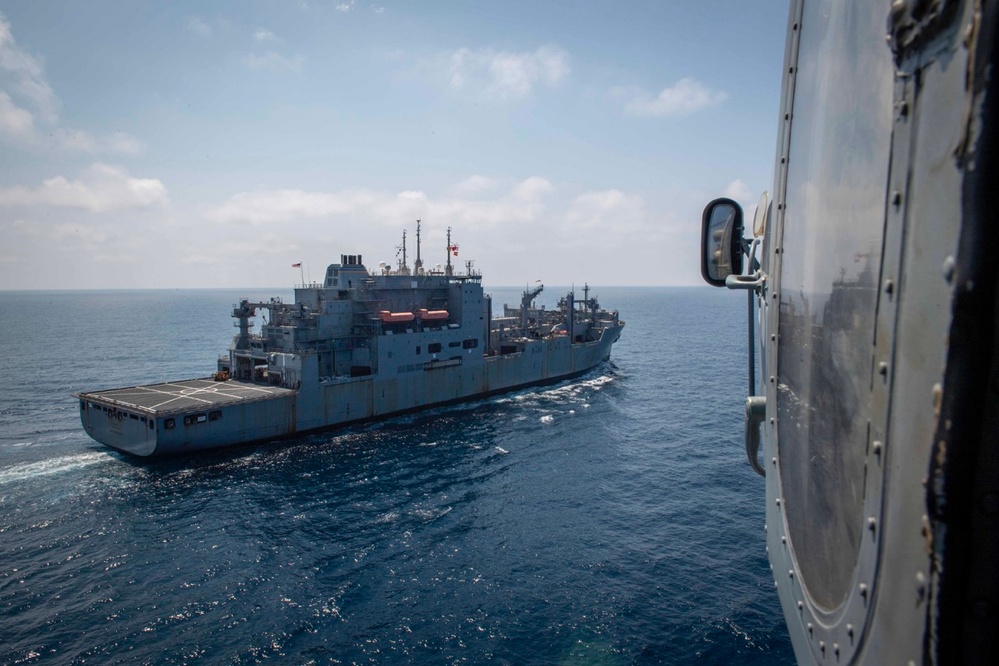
x=611, y=519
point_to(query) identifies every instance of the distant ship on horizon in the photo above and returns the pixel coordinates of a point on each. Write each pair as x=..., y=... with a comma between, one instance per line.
x=358, y=346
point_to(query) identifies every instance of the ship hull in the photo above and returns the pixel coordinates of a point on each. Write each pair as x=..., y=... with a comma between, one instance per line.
x=203, y=416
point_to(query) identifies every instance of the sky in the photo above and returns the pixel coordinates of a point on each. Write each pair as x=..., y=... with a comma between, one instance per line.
x=214, y=144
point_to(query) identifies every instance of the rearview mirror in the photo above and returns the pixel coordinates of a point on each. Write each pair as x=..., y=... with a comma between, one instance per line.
x=721, y=241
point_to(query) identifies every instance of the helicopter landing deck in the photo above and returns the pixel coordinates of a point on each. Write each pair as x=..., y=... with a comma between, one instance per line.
x=185, y=395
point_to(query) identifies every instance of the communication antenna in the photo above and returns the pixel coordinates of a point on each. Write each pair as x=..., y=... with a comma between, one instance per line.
x=403, y=264
x=418, y=266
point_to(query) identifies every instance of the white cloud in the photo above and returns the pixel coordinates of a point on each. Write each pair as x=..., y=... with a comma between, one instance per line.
x=344, y=7
x=282, y=205
x=474, y=185
x=23, y=74
x=524, y=202
x=738, y=191
x=100, y=188
x=263, y=35
x=122, y=144
x=199, y=27
x=26, y=74
x=687, y=96
x=609, y=210
x=274, y=62
x=505, y=74
x=533, y=188
x=15, y=122
x=74, y=232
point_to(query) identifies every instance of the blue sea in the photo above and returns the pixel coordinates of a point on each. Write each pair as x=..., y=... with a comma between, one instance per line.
x=611, y=519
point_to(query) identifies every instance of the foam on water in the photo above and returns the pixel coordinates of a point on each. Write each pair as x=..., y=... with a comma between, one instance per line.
x=27, y=472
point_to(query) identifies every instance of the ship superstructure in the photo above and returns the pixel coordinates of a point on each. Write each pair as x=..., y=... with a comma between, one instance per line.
x=359, y=345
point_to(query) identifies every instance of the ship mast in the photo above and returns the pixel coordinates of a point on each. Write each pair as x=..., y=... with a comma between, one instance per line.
x=447, y=270
x=418, y=266
x=403, y=268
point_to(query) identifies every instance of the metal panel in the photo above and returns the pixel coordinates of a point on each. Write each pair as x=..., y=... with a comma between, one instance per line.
x=832, y=250
x=833, y=163
x=868, y=198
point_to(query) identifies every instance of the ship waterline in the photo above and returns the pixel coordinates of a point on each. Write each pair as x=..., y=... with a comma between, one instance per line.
x=359, y=346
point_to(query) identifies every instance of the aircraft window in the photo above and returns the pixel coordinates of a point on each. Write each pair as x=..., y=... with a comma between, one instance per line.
x=832, y=238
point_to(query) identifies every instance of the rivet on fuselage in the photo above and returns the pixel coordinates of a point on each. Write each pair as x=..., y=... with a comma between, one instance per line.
x=949, y=266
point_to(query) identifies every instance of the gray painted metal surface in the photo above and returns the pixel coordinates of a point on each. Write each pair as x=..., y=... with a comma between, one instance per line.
x=357, y=346
x=879, y=334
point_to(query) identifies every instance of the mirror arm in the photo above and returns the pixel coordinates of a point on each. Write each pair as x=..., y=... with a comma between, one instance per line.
x=753, y=280
x=756, y=412
x=749, y=249
x=756, y=406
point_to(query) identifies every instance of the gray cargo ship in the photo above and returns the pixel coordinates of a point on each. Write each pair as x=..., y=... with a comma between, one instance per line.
x=359, y=346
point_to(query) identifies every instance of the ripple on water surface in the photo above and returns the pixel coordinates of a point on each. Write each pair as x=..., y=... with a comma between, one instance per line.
x=604, y=520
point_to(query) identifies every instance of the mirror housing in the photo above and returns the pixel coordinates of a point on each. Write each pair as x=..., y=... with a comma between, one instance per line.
x=721, y=241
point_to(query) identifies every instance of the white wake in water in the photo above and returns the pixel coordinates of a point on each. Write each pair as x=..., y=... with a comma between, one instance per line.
x=51, y=467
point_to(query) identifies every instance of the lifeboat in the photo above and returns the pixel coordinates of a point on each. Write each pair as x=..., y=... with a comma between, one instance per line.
x=395, y=317
x=431, y=315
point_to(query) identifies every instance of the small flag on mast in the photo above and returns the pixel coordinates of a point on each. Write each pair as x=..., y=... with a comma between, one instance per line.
x=298, y=265
x=454, y=250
